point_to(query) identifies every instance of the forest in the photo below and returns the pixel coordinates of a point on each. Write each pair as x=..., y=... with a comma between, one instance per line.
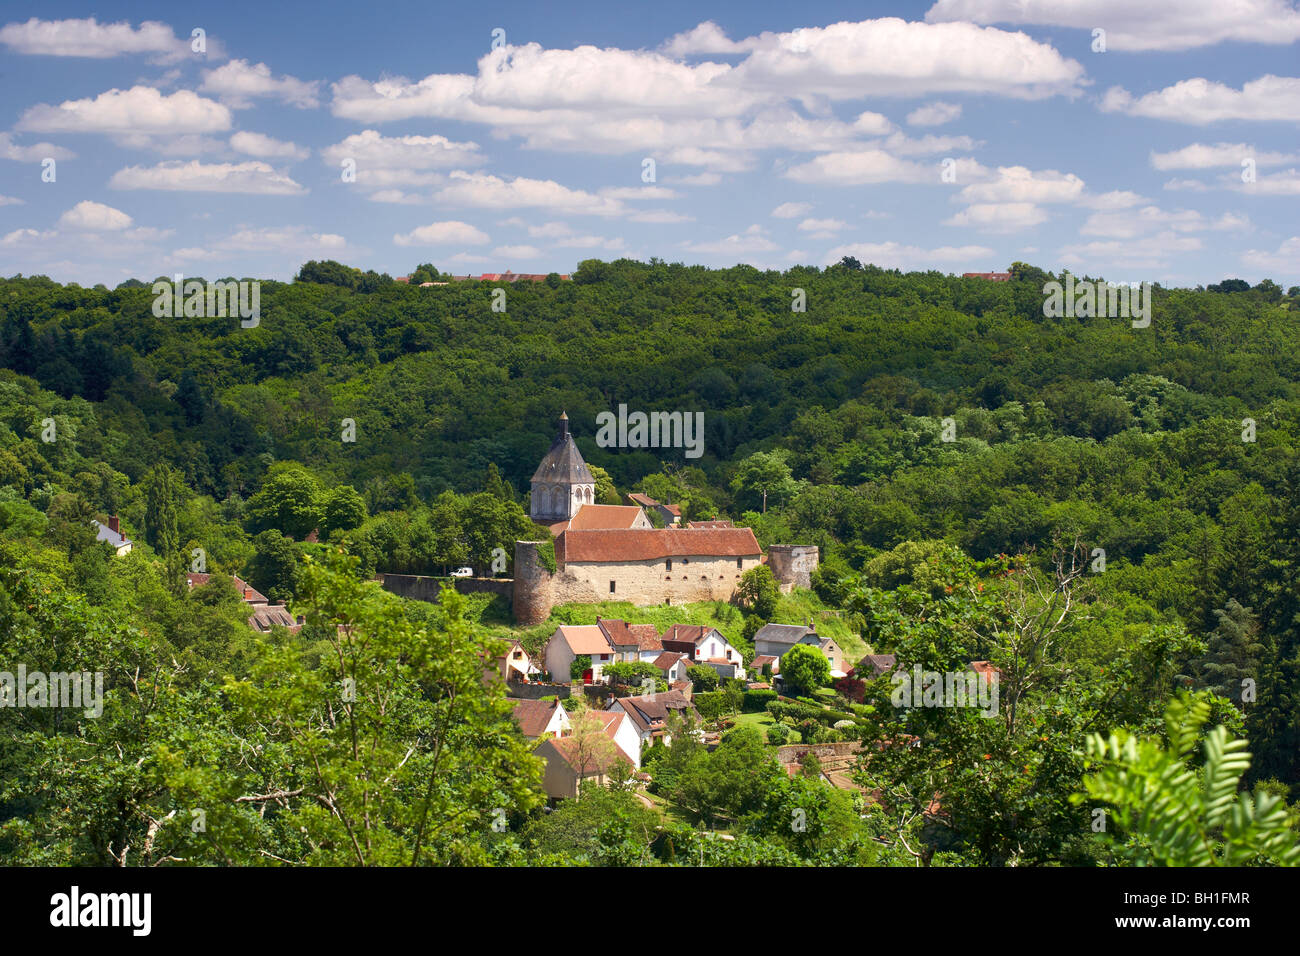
x=1108, y=514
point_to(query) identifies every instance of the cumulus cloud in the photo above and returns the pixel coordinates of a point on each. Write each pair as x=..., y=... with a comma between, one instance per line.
x=31, y=154
x=745, y=243
x=1018, y=184
x=90, y=38
x=1284, y=262
x=1200, y=101
x=1133, y=222
x=141, y=110
x=493, y=192
x=92, y=216
x=238, y=82
x=792, y=210
x=449, y=232
x=1150, y=252
x=934, y=114
x=707, y=37
x=999, y=216
x=401, y=160
x=1203, y=156
x=194, y=176
x=894, y=255
x=711, y=114
x=1182, y=25
x=873, y=165
x=266, y=147
x=822, y=228
x=297, y=241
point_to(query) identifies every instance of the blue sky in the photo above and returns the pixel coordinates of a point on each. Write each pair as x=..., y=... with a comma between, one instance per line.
x=958, y=135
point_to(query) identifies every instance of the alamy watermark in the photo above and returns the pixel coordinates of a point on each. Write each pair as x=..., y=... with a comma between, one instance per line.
x=921, y=688
x=1084, y=299
x=56, y=689
x=194, y=299
x=655, y=430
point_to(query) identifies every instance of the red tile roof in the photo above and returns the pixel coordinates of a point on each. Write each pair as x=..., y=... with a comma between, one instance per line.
x=533, y=715
x=602, y=517
x=655, y=544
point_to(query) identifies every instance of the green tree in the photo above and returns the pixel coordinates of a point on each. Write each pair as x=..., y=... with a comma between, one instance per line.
x=289, y=501
x=344, y=510
x=276, y=566
x=804, y=669
x=759, y=592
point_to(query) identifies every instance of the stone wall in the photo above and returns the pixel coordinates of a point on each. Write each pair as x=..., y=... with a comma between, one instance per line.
x=650, y=582
x=421, y=587
x=536, y=691
x=793, y=564
x=534, y=587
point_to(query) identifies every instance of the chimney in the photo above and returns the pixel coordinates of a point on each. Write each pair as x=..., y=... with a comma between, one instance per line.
x=248, y=592
x=113, y=523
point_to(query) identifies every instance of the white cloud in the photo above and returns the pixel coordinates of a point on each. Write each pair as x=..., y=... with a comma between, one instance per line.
x=707, y=37
x=1115, y=199
x=822, y=228
x=894, y=255
x=710, y=114
x=1284, y=262
x=871, y=165
x=89, y=216
x=999, y=216
x=1203, y=156
x=1286, y=183
x=1149, y=252
x=266, y=147
x=904, y=145
x=383, y=161
x=238, y=82
x=450, y=232
x=792, y=210
x=90, y=38
x=31, y=154
x=139, y=110
x=493, y=192
x=934, y=114
x=251, y=177
x=750, y=241
x=283, y=240
x=1200, y=101
x=1017, y=184
x=1133, y=222
x=1180, y=25
x=1186, y=185
x=10, y=201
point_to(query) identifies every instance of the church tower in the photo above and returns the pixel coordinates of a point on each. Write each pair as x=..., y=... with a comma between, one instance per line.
x=562, y=483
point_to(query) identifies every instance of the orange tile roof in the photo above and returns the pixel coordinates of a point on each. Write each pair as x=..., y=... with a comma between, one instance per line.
x=584, y=639
x=603, y=517
x=654, y=544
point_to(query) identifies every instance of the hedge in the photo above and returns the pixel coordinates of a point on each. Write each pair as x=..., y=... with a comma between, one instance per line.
x=756, y=700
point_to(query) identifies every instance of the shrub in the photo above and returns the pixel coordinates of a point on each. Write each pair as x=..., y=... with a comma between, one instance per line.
x=702, y=677
x=757, y=700
x=778, y=734
x=580, y=664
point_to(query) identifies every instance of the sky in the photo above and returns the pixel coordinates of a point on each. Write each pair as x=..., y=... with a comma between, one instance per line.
x=1135, y=141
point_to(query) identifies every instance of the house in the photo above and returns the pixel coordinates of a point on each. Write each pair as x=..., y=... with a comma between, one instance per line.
x=711, y=523
x=111, y=532
x=704, y=645
x=513, y=664
x=570, y=642
x=773, y=640
x=673, y=664
x=567, y=767
x=876, y=665
x=539, y=717
x=762, y=664
x=649, y=713
x=670, y=515
x=265, y=615
x=631, y=642
x=601, y=518
x=988, y=276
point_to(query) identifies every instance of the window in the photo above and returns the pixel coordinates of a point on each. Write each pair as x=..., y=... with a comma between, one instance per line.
x=670, y=565
x=611, y=587
x=740, y=563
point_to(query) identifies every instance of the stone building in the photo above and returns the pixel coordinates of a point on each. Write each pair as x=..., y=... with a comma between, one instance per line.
x=609, y=553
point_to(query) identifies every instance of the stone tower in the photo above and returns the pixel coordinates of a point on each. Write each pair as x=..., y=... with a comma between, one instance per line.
x=562, y=483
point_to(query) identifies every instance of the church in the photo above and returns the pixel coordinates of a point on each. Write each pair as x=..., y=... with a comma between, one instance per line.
x=613, y=552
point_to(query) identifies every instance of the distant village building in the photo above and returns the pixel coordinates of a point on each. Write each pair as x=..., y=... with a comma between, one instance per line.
x=989, y=276
x=771, y=641
x=111, y=532
x=265, y=615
